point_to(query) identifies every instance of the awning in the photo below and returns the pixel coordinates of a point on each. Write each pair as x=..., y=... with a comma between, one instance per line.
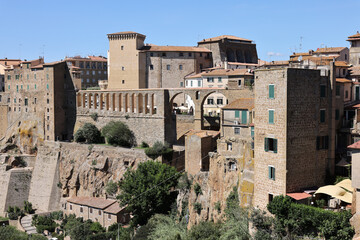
x=336, y=192
x=346, y=184
x=298, y=196
x=343, y=163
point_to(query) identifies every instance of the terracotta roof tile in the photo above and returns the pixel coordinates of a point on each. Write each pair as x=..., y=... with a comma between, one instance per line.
x=241, y=103
x=202, y=133
x=230, y=37
x=354, y=37
x=343, y=80
x=299, y=196
x=226, y=72
x=95, y=202
x=341, y=64
x=330, y=50
x=114, y=208
x=355, y=71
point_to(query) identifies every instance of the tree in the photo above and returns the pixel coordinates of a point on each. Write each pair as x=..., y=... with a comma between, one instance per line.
x=146, y=190
x=11, y=233
x=14, y=212
x=205, y=231
x=96, y=227
x=158, y=149
x=88, y=133
x=165, y=227
x=43, y=223
x=118, y=134
x=111, y=188
x=28, y=207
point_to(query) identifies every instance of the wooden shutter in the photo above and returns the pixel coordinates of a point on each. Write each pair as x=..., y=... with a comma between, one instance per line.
x=271, y=116
x=244, y=117
x=237, y=113
x=266, y=144
x=271, y=91
x=275, y=145
x=269, y=168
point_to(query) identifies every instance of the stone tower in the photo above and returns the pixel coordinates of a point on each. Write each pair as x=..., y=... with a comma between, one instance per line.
x=126, y=62
x=354, y=49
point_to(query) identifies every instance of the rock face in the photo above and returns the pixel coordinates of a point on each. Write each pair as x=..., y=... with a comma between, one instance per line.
x=217, y=184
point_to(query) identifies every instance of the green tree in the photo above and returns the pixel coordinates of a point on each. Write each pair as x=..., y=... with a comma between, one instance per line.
x=158, y=149
x=88, y=133
x=111, y=188
x=146, y=190
x=14, y=212
x=43, y=223
x=205, y=231
x=96, y=227
x=28, y=207
x=118, y=134
x=166, y=228
x=11, y=233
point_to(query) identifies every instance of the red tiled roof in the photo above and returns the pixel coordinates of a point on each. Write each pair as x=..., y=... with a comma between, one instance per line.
x=226, y=72
x=330, y=50
x=114, y=208
x=298, y=196
x=343, y=80
x=355, y=145
x=241, y=103
x=95, y=202
x=230, y=37
x=341, y=64
x=354, y=37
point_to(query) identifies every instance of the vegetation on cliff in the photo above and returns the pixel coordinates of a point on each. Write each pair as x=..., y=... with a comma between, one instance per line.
x=158, y=149
x=118, y=133
x=88, y=133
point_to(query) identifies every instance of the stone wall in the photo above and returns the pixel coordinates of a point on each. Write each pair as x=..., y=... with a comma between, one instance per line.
x=3, y=120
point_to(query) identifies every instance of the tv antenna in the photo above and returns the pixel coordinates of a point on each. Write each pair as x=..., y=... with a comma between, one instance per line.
x=300, y=47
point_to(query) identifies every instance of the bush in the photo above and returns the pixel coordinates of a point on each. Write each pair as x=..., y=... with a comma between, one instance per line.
x=28, y=207
x=57, y=215
x=94, y=116
x=217, y=207
x=197, y=207
x=205, y=230
x=118, y=134
x=43, y=223
x=14, y=212
x=88, y=133
x=158, y=149
x=144, y=145
x=184, y=182
x=197, y=189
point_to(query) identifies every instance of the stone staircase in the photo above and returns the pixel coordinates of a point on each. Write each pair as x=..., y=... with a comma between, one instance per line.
x=26, y=224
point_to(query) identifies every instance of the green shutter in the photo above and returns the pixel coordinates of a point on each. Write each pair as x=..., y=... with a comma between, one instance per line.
x=271, y=116
x=266, y=144
x=269, y=172
x=237, y=113
x=273, y=173
x=271, y=91
x=252, y=131
x=275, y=145
x=243, y=117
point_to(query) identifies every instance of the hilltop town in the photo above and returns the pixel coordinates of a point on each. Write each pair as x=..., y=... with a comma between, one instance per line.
x=236, y=135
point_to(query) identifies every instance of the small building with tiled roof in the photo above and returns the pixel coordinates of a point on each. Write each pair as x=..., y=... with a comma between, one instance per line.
x=104, y=211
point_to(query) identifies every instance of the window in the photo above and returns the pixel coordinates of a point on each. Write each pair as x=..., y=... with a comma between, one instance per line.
x=181, y=84
x=167, y=67
x=271, y=145
x=271, y=91
x=210, y=101
x=8, y=87
x=237, y=114
x=252, y=132
x=199, y=83
x=122, y=47
x=151, y=67
x=109, y=216
x=99, y=212
x=239, y=83
x=337, y=114
x=14, y=100
x=271, y=116
x=271, y=173
x=47, y=101
x=344, y=71
x=123, y=68
x=229, y=146
x=27, y=87
x=48, y=127
x=70, y=206
x=219, y=79
x=47, y=76
x=180, y=67
x=123, y=81
x=26, y=102
x=181, y=54
x=200, y=54
x=35, y=99
x=236, y=131
x=337, y=90
x=346, y=94
x=322, y=90
x=244, y=117
x=191, y=83
x=164, y=54
x=201, y=66
x=190, y=54
x=91, y=210
x=219, y=101
x=322, y=142
x=151, y=54
x=270, y=197
x=17, y=88
x=345, y=56
x=210, y=80
x=81, y=209
x=27, y=77
x=35, y=76
x=322, y=115
x=47, y=86
x=35, y=86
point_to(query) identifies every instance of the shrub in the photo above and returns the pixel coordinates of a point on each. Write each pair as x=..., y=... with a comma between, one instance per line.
x=94, y=116
x=184, y=182
x=28, y=207
x=218, y=207
x=14, y=212
x=88, y=133
x=158, y=149
x=93, y=162
x=205, y=230
x=43, y=223
x=144, y=145
x=57, y=215
x=118, y=134
x=197, y=207
x=197, y=189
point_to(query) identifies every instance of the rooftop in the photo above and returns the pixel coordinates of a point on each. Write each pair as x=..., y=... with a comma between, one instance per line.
x=126, y=32
x=330, y=50
x=100, y=203
x=154, y=48
x=343, y=80
x=230, y=37
x=355, y=145
x=241, y=103
x=354, y=37
x=202, y=133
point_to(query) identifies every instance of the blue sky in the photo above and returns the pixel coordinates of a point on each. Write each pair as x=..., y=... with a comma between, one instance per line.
x=77, y=27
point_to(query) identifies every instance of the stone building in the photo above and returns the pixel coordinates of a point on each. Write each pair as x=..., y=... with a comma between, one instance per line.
x=134, y=64
x=227, y=49
x=40, y=98
x=294, y=114
x=104, y=211
x=86, y=72
x=4, y=64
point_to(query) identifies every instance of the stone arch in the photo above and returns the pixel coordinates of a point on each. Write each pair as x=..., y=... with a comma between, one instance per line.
x=132, y=103
x=95, y=100
x=113, y=101
x=230, y=55
x=101, y=101
x=119, y=102
x=90, y=99
x=187, y=107
x=84, y=95
x=107, y=101
x=153, y=109
x=126, y=102
x=146, y=104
